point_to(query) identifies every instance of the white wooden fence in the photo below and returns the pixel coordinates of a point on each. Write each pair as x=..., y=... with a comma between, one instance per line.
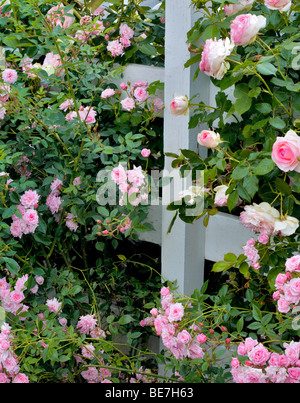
x=185, y=249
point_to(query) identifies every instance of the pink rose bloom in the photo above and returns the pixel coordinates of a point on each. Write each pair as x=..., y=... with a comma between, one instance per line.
x=40, y=280
x=146, y=152
x=221, y=197
x=250, y=343
x=109, y=92
x=31, y=217
x=184, y=337
x=263, y=238
x=283, y=305
x=235, y=363
x=232, y=9
x=136, y=176
x=280, y=280
x=87, y=115
x=9, y=76
x=17, y=296
x=292, y=352
x=242, y=349
x=56, y=17
x=213, y=57
x=201, y=338
x=294, y=288
x=29, y=199
x=179, y=106
x=260, y=218
x=141, y=94
x=287, y=226
x=115, y=48
x=53, y=305
x=276, y=295
x=286, y=152
x=66, y=105
x=259, y=355
x=126, y=32
x=99, y=10
x=16, y=228
x=165, y=291
x=281, y=5
x=125, y=42
x=21, y=378
x=158, y=104
x=52, y=64
x=209, y=139
x=124, y=86
x=119, y=175
x=128, y=104
x=195, y=351
x=86, y=324
x=4, y=378
x=293, y=264
x=176, y=312
x=245, y=27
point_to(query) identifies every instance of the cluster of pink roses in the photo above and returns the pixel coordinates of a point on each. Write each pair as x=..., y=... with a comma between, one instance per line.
x=287, y=285
x=9, y=364
x=132, y=184
x=265, y=219
x=166, y=321
x=54, y=200
x=116, y=47
x=12, y=299
x=263, y=366
x=137, y=94
x=30, y=219
x=86, y=114
x=9, y=77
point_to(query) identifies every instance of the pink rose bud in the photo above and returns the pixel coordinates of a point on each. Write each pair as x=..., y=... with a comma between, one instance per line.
x=179, y=106
x=146, y=153
x=209, y=139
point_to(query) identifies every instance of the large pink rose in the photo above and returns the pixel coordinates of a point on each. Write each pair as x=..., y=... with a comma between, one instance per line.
x=260, y=218
x=213, y=61
x=286, y=152
x=259, y=355
x=245, y=27
x=56, y=16
x=52, y=64
x=179, y=106
x=281, y=5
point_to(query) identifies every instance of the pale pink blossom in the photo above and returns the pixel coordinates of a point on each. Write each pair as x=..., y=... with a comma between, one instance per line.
x=141, y=94
x=213, y=62
x=109, y=92
x=9, y=76
x=52, y=65
x=66, y=105
x=176, y=312
x=221, y=197
x=232, y=9
x=126, y=31
x=293, y=264
x=128, y=104
x=56, y=16
x=40, y=280
x=179, y=106
x=86, y=324
x=245, y=27
x=260, y=218
x=30, y=199
x=119, y=175
x=184, y=337
x=281, y=5
x=209, y=139
x=115, y=48
x=54, y=305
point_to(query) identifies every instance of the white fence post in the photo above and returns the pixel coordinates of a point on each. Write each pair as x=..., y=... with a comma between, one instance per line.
x=183, y=250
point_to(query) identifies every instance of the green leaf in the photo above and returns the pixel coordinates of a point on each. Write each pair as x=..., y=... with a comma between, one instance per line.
x=221, y=266
x=277, y=123
x=250, y=183
x=264, y=167
x=124, y=320
x=240, y=324
x=267, y=69
x=240, y=172
x=232, y=200
x=257, y=315
x=11, y=265
x=242, y=105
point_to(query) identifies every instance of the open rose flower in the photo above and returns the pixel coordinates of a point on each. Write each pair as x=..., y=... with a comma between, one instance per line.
x=260, y=218
x=245, y=27
x=286, y=152
x=52, y=65
x=221, y=197
x=209, y=139
x=213, y=61
x=56, y=16
x=281, y=5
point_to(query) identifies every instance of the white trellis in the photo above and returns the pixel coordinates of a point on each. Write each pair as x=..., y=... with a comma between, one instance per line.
x=185, y=249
